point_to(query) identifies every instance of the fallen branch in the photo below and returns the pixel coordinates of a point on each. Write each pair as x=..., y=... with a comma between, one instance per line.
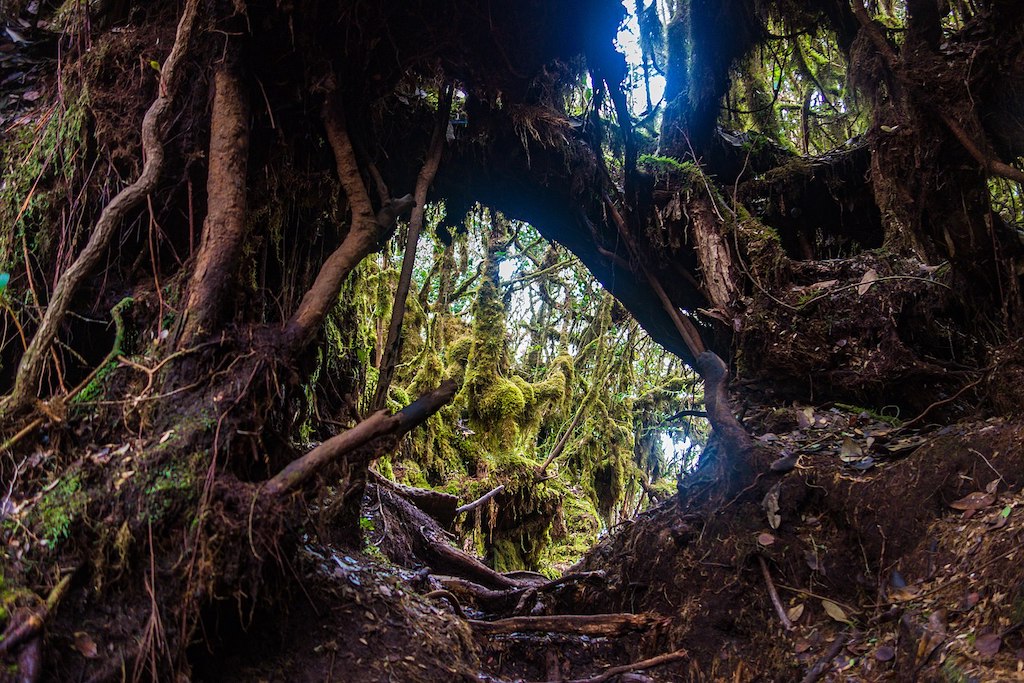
x=377, y=425
x=822, y=665
x=469, y=507
x=579, y=624
x=30, y=369
x=774, y=595
x=641, y=665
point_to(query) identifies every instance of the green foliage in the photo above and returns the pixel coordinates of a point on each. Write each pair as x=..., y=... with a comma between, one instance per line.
x=660, y=164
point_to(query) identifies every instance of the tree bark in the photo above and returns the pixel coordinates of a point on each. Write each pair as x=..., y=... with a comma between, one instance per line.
x=224, y=228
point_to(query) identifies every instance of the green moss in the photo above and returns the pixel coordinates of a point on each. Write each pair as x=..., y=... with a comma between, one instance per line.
x=53, y=515
x=96, y=388
x=40, y=161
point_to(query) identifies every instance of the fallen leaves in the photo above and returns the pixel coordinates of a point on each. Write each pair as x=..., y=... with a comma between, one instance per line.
x=988, y=645
x=973, y=501
x=835, y=611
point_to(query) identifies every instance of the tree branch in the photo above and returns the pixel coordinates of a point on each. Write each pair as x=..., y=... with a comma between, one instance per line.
x=393, y=346
x=364, y=233
x=377, y=425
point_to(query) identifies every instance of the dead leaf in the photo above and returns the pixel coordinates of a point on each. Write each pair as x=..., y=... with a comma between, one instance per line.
x=805, y=418
x=866, y=282
x=824, y=284
x=795, y=612
x=973, y=501
x=850, y=450
x=835, y=611
x=988, y=645
x=765, y=539
x=904, y=594
x=992, y=487
x=85, y=645
x=802, y=645
x=885, y=653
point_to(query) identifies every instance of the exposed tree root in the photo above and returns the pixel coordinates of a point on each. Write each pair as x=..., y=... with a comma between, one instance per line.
x=641, y=665
x=30, y=368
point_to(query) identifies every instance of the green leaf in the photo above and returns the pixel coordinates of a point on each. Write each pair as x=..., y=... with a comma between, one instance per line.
x=4, y=279
x=1006, y=511
x=155, y=64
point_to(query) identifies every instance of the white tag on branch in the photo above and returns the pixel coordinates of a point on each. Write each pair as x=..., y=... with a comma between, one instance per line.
x=866, y=281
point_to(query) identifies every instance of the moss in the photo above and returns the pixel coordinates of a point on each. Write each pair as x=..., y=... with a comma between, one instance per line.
x=97, y=386
x=167, y=487
x=53, y=515
x=39, y=161
x=573, y=533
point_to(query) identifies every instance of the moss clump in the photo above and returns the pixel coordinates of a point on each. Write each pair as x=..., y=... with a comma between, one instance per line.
x=169, y=486
x=573, y=533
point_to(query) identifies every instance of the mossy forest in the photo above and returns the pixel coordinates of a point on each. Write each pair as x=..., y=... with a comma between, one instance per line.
x=551, y=340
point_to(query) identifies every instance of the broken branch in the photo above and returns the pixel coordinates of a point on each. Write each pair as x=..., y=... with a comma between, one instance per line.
x=377, y=425
x=469, y=507
x=580, y=624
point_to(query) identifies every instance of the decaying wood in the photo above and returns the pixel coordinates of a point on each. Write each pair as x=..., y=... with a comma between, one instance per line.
x=377, y=425
x=641, y=665
x=439, y=555
x=720, y=274
x=774, y=595
x=30, y=368
x=579, y=624
x=440, y=505
x=469, y=507
x=484, y=598
x=24, y=633
x=224, y=228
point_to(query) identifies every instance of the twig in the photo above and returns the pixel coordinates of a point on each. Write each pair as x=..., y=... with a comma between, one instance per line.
x=635, y=666
x=942, y=402
x=821, y=666
x=774, y=595
x=468, y=507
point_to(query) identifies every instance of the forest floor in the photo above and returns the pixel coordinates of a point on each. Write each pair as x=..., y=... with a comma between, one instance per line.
x=892, y=554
